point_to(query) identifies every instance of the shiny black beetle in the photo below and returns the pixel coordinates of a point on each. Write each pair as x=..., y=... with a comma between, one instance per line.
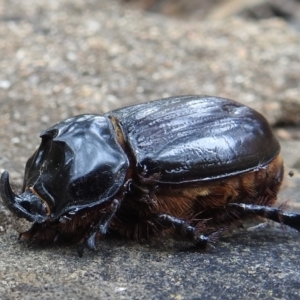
x=195, y=164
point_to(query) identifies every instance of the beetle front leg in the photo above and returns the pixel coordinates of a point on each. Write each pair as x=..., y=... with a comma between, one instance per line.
x=189, y=231
x=274, y=214
x=89, y=241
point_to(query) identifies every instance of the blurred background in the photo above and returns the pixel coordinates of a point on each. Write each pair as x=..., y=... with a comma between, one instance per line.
x=221, y=9
x=64, y=58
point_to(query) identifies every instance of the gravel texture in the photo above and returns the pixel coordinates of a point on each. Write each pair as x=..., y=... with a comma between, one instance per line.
x=61, y=58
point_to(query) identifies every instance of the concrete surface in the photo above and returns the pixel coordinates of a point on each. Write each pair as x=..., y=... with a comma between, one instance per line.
x=63, y=58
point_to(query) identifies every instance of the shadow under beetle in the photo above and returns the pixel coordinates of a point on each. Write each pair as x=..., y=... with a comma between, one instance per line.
x=195, y=164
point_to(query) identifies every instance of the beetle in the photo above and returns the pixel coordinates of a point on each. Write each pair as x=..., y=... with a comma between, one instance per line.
x=196, y=164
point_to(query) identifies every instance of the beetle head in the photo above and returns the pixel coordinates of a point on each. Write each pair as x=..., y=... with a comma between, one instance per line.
x=78, y=164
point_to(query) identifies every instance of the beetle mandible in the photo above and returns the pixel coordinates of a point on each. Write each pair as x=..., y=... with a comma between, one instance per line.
x=195, y=164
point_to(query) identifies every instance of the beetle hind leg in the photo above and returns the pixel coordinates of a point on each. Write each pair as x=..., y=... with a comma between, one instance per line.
x=275, y=214
x=189, y=231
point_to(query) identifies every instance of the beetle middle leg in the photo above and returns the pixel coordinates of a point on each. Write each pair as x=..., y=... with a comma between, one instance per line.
x=189, y=231
x=274, y=214
x=89, y=241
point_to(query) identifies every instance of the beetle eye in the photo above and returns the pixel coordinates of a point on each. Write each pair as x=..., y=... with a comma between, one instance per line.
x=44, y=203
x=34, y=205
x=26, y=205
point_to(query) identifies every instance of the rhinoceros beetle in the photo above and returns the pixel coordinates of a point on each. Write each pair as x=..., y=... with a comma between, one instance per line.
x=195, y=164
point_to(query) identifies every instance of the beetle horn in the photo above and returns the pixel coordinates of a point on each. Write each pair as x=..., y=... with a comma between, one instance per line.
x=8, y=196
x=26, y=206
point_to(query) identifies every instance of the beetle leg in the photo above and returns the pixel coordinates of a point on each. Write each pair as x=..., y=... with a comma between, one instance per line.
x=105, y=222
x=189, y=231
x=89, y=241
x=274, y=214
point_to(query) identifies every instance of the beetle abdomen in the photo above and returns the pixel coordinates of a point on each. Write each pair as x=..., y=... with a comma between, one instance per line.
x=204, y=204
x=196, y=138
